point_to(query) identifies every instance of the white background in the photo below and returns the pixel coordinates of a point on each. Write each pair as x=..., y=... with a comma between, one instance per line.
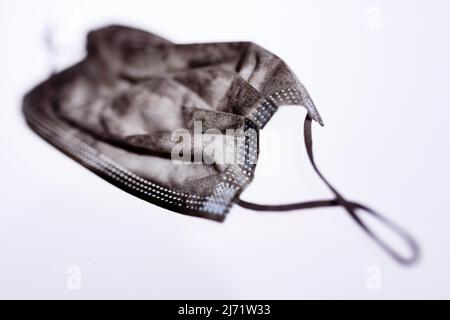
x=379, y=74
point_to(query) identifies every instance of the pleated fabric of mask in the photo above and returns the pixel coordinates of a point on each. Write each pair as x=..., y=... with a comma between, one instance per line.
x=117, y=110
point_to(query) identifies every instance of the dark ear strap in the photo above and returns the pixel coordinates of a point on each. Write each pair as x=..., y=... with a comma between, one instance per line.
x=349, y=206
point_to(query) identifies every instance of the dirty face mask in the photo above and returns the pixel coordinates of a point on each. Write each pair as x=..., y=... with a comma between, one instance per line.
x=133, y=111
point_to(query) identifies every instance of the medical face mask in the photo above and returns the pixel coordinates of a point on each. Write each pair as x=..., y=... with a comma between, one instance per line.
x=177, y=125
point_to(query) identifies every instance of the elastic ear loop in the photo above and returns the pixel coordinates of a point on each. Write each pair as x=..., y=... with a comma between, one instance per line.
x=350, y=206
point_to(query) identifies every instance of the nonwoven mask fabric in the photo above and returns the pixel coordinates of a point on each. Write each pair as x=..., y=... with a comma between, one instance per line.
x=178, y=125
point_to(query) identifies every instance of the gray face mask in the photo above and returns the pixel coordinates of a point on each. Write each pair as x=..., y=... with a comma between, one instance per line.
x=128, y=111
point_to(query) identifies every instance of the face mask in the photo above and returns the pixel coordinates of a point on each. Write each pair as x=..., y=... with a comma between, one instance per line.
x=177, y=125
